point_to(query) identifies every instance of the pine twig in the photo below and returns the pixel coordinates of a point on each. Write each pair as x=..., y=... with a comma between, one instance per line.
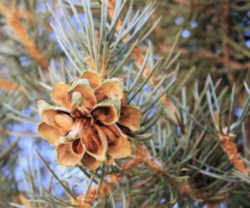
x=142, y=156
x=13, y=16
x=7, y=85
x=247, y=126
x=234, y=65
x=182, y=2
x=7, y=152
x=137, y=54
x=106, y=187
x=230, y=149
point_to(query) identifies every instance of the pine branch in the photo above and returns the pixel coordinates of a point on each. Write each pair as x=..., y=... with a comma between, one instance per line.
x=234, y=65
x=13, y=19
x=138, y=55
x=6, y=85
x=4, y=155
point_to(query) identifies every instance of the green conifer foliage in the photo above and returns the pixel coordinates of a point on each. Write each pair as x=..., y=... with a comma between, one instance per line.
x=144, y=103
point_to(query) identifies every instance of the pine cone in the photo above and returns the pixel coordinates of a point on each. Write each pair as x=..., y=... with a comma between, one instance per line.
x=90, y=122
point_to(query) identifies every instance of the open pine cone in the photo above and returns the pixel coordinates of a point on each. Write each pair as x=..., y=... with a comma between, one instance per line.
x=90, y=124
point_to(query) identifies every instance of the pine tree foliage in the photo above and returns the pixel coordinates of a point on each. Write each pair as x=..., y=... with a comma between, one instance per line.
x=192, y=148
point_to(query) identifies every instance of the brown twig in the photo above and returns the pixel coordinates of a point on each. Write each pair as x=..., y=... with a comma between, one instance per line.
x=4, y=155
x=224, y=59
x=234, y=65
x=106, y=187
x=142, y=156
x=86, y=201
x=224, y=19
x=182, y=2
x=6, y=85
x=13, y=16
x=230, y=149
x=247, y=126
